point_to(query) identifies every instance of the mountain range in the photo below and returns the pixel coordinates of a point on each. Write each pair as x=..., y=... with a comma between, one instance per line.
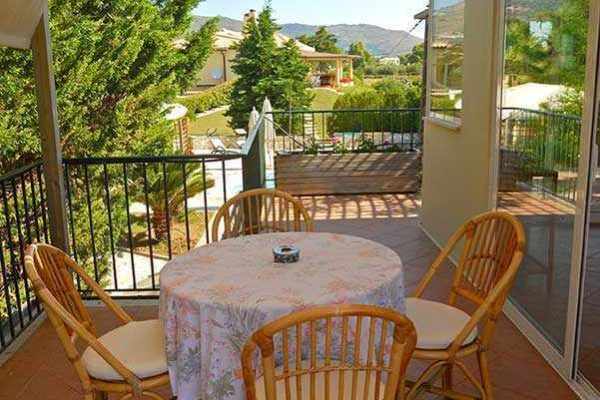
x=381, y=42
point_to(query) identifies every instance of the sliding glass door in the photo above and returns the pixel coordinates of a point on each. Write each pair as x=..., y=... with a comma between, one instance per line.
x=588, y=355
x=549, y=176
x=539, y=149
x=587, y=345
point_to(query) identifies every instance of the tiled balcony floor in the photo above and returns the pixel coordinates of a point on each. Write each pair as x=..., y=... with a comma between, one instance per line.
x=40, y=370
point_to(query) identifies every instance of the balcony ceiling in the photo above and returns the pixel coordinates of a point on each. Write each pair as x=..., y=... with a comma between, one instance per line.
x=18, y=20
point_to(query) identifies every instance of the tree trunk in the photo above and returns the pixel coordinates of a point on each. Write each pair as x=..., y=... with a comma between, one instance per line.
x=160, y=224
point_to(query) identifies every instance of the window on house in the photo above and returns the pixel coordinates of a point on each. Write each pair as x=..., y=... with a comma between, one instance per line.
x=446, y=54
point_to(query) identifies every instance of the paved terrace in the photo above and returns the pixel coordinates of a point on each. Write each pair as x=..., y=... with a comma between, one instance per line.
x=40, y=370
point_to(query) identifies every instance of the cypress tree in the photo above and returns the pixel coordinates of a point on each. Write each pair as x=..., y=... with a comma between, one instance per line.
x=265, y=70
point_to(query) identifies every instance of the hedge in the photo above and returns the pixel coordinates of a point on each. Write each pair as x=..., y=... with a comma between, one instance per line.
x=215, y=97
x=383, y=97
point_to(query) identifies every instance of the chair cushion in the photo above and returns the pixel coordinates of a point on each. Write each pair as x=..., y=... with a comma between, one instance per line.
x=320, y=385
x=437, y=324
x=139, y=345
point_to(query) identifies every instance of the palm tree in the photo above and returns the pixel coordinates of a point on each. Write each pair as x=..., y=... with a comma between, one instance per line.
x=175, y=189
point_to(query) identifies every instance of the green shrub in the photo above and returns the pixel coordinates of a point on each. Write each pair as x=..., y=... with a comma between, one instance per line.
x=385, y=94
x=569, y=102
x=207, y=100
x=443, y=104
x=359, y=98
x=388, y=94
x=399, y=93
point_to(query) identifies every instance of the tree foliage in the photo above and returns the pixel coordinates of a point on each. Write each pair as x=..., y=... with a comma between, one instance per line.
x=266, y=70
x=558, y=57
x=386, y=94
x=416, y=55
x=359, y=49
x=115, y=65
x=322, y=40
x=525, y=54
x=569, y=42
x=408, y=64
x=206, y=100
x=195, y=183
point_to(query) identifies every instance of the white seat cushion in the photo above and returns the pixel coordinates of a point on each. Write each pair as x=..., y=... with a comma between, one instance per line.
x=320, y=385
x=437, y=324
x=139, y=345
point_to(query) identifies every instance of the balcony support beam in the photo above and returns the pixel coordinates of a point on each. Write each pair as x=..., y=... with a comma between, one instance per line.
x=50, y=137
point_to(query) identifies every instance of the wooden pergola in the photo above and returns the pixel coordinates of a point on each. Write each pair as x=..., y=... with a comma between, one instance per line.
x=24, y=25
x=338, y=59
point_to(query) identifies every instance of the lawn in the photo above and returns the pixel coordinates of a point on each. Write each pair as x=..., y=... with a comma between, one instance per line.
x=324, y=99
x=219, y=123
x=209, y=123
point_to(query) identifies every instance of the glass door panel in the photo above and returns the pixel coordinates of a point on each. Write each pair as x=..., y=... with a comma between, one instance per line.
x=541, y=111
x=588, y=352
x=589, y=344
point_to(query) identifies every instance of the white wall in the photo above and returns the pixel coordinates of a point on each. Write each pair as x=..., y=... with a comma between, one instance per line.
x=215, y=62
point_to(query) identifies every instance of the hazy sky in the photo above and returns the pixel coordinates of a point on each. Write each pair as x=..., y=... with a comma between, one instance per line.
x=393, y=14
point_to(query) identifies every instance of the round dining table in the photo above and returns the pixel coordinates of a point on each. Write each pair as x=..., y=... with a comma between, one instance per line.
x=214, y=297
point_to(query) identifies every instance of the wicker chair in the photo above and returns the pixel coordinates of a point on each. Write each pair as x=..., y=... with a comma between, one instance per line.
x=310, y=355
x=260, y=211
x=129, y=360
x=493, y=246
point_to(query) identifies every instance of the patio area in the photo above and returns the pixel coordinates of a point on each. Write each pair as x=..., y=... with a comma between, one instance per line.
x=40, y=369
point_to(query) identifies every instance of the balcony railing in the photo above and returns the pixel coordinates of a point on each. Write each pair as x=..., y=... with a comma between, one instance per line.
x=311, y=131
x=23, y=219
x=128, y=216
x=541, y=150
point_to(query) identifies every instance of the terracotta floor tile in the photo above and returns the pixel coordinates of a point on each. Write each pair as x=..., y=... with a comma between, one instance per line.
x=45, y=385
x=536, y=379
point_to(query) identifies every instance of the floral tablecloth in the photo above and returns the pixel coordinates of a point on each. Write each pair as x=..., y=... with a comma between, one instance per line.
x=214, y=297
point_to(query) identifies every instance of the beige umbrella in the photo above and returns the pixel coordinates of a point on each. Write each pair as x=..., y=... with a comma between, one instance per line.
x=254, y=117
x=269, y=134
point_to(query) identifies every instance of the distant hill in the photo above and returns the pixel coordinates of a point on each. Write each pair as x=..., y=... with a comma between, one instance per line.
x=530, y=9
x=380, y=41
x=224, y=22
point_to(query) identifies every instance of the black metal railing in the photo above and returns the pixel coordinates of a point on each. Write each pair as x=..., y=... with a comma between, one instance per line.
x=23, y=219
x=368, y=130
x=127, y=216
x=540, y=150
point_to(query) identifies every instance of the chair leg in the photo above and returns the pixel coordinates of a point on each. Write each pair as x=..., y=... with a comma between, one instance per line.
x=100, y=396
x=486, y=379
x=144, y=395
x=419, y=386
x=153, y=395
x=447, y=377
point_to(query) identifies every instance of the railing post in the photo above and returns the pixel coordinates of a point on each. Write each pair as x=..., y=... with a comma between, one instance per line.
x=50, y=138
x=253, y=172
x=253, y=164
x=551, y=133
